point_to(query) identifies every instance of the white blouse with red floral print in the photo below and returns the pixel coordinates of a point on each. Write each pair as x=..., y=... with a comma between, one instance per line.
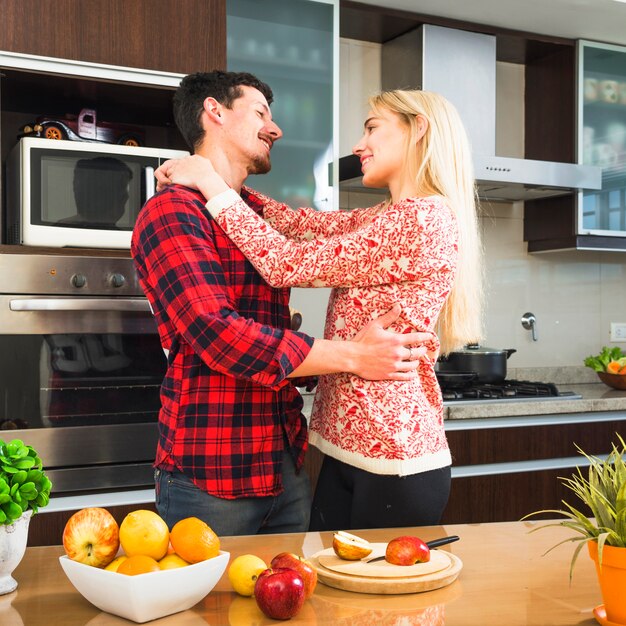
x=404, y=252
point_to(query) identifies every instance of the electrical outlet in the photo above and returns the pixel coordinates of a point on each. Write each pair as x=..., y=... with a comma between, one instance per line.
x=618, y=332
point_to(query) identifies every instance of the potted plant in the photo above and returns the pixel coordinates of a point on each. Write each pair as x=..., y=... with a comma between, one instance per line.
x=603, y=493
x=24, y=489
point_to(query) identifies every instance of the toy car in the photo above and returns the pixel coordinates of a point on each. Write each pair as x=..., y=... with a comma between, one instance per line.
x=83, y=127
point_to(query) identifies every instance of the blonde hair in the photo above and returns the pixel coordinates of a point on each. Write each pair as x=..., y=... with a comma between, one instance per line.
x=441, y=163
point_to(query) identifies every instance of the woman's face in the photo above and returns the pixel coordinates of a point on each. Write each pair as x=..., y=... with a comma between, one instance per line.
x=382, y=149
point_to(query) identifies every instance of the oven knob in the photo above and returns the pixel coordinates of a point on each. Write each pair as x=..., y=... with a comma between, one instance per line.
x=117, y=280
x=79, y=280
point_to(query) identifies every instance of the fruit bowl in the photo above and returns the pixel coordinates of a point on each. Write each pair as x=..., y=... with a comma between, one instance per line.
x=617, y=381
x=149, y=596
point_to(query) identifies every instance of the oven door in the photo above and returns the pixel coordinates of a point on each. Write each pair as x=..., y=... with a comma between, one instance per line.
x=80, y=381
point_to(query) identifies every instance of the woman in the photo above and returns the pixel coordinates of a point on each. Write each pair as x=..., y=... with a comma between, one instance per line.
x=387, y=461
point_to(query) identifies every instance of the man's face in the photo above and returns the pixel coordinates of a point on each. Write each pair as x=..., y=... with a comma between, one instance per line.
x=249, y=131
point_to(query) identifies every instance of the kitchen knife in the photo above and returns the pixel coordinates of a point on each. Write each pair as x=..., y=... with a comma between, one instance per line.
x=435, y=543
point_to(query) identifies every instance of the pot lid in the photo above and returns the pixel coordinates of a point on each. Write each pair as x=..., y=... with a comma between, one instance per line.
x=475, y=348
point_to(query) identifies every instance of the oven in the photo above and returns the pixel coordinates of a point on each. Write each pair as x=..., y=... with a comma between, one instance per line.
x=80, y=368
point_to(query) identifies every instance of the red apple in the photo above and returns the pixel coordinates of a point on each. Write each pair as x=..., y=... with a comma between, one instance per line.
x=302, y=566
x=407, y=550
x=91, y=536
x=279, y=592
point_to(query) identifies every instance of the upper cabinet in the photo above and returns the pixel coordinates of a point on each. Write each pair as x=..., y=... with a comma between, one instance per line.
x=179, y=37
x=588, y=220
x=121, y=58
x=291, y=45
x=602, y=142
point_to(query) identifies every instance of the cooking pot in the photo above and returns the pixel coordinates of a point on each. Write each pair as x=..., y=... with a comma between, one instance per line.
x=489, y=364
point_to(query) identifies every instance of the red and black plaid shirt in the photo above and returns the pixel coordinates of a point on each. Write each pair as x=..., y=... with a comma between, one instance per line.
x=227, y=409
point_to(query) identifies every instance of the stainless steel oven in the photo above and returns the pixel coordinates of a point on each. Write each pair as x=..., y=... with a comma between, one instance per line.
x=80, y=368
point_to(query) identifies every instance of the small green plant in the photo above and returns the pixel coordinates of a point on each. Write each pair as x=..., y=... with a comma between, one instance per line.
x=604, y=493
x=23, y=483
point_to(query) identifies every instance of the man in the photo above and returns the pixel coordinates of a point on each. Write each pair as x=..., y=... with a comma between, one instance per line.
x=232, y=436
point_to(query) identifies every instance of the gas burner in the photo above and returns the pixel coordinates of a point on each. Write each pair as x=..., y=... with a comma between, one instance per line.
x=506, y=390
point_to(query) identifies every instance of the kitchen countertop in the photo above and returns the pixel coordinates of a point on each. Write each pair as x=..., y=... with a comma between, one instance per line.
x=506, y=579
x=596, y=397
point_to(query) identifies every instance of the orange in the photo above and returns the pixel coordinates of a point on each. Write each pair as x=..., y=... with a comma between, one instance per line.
x=194, y=540
x=613, y=367
x=138, y=564
x=171, y=561
x=144, y=532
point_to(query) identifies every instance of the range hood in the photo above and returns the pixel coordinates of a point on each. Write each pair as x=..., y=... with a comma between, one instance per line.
x=461, y=65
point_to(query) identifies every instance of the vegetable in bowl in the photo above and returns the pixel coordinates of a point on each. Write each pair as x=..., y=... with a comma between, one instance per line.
x=611, y=360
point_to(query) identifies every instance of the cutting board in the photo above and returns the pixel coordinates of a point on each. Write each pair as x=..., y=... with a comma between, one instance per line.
x=385, y=578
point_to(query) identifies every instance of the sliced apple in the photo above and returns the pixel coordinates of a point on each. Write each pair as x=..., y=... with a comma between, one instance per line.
x=350, y=547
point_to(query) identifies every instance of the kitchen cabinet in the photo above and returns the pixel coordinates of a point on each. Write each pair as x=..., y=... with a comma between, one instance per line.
x=31, y=86
x=291, y=45
x=505, y=470
x=123, y=59
x=591, y=220
x=602, y=142
x=178, y=37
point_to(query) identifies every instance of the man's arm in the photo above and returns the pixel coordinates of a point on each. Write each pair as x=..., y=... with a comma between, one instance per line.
x=374, y=353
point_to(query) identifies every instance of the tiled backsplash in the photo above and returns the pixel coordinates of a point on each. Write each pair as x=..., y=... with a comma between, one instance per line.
x=575, y=295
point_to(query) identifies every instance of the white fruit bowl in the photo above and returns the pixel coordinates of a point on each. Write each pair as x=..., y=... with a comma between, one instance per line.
x=145, y=597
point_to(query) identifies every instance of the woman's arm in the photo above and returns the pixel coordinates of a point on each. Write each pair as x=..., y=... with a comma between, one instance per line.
x=305, y=224
x=301, y=224
x=386, y=250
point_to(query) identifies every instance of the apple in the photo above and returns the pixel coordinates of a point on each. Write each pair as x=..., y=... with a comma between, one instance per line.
x=407, y=550
x=302, y=566
x=350, y=547
x=91, y=536
x=279, y=592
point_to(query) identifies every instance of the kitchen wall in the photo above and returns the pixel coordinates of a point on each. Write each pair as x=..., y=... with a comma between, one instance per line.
x=574, y=295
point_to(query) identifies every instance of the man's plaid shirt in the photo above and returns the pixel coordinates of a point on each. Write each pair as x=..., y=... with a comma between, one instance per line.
x=227, y=408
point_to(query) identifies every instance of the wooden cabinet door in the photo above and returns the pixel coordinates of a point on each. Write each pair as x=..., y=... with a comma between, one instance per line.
x=181, y=37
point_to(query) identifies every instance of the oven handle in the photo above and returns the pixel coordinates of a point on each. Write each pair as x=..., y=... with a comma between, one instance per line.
x=80, y=304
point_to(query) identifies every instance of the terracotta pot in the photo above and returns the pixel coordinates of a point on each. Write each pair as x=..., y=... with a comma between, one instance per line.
x=612, y=578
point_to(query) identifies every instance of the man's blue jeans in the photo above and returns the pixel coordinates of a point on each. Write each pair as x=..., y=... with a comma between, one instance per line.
x=177, y=497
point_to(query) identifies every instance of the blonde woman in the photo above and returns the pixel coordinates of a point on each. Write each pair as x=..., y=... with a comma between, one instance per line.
x=387, y=461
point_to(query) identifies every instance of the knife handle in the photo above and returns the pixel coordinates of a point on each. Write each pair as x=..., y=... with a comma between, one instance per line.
x=435, y=543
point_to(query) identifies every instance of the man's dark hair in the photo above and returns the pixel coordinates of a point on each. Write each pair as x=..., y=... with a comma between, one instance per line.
x=225, y=87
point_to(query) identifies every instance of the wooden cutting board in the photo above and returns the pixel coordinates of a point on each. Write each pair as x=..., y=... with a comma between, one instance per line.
x=383, y=577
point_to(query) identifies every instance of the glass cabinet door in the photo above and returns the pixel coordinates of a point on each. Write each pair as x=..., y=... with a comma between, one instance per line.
x=602, y=136
x=290, y=45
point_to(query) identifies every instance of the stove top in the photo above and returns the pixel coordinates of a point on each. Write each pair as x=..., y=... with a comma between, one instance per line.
x=506, y=391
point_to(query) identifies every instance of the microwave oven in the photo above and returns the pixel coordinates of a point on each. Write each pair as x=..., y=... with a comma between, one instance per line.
x=78, y=194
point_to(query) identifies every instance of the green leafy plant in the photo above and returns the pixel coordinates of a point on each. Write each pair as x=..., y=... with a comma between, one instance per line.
x=600, y=362
x=23, y=483
x=603, y=491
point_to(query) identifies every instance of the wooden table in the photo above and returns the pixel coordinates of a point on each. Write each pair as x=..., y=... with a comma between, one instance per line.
x=505, y=581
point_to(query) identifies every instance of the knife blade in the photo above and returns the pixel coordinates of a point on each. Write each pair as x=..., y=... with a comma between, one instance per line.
x=434, y=543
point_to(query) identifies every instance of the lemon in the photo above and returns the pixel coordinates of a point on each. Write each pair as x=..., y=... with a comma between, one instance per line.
x=244, y=571
x=170, y=561
x=115, y=563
